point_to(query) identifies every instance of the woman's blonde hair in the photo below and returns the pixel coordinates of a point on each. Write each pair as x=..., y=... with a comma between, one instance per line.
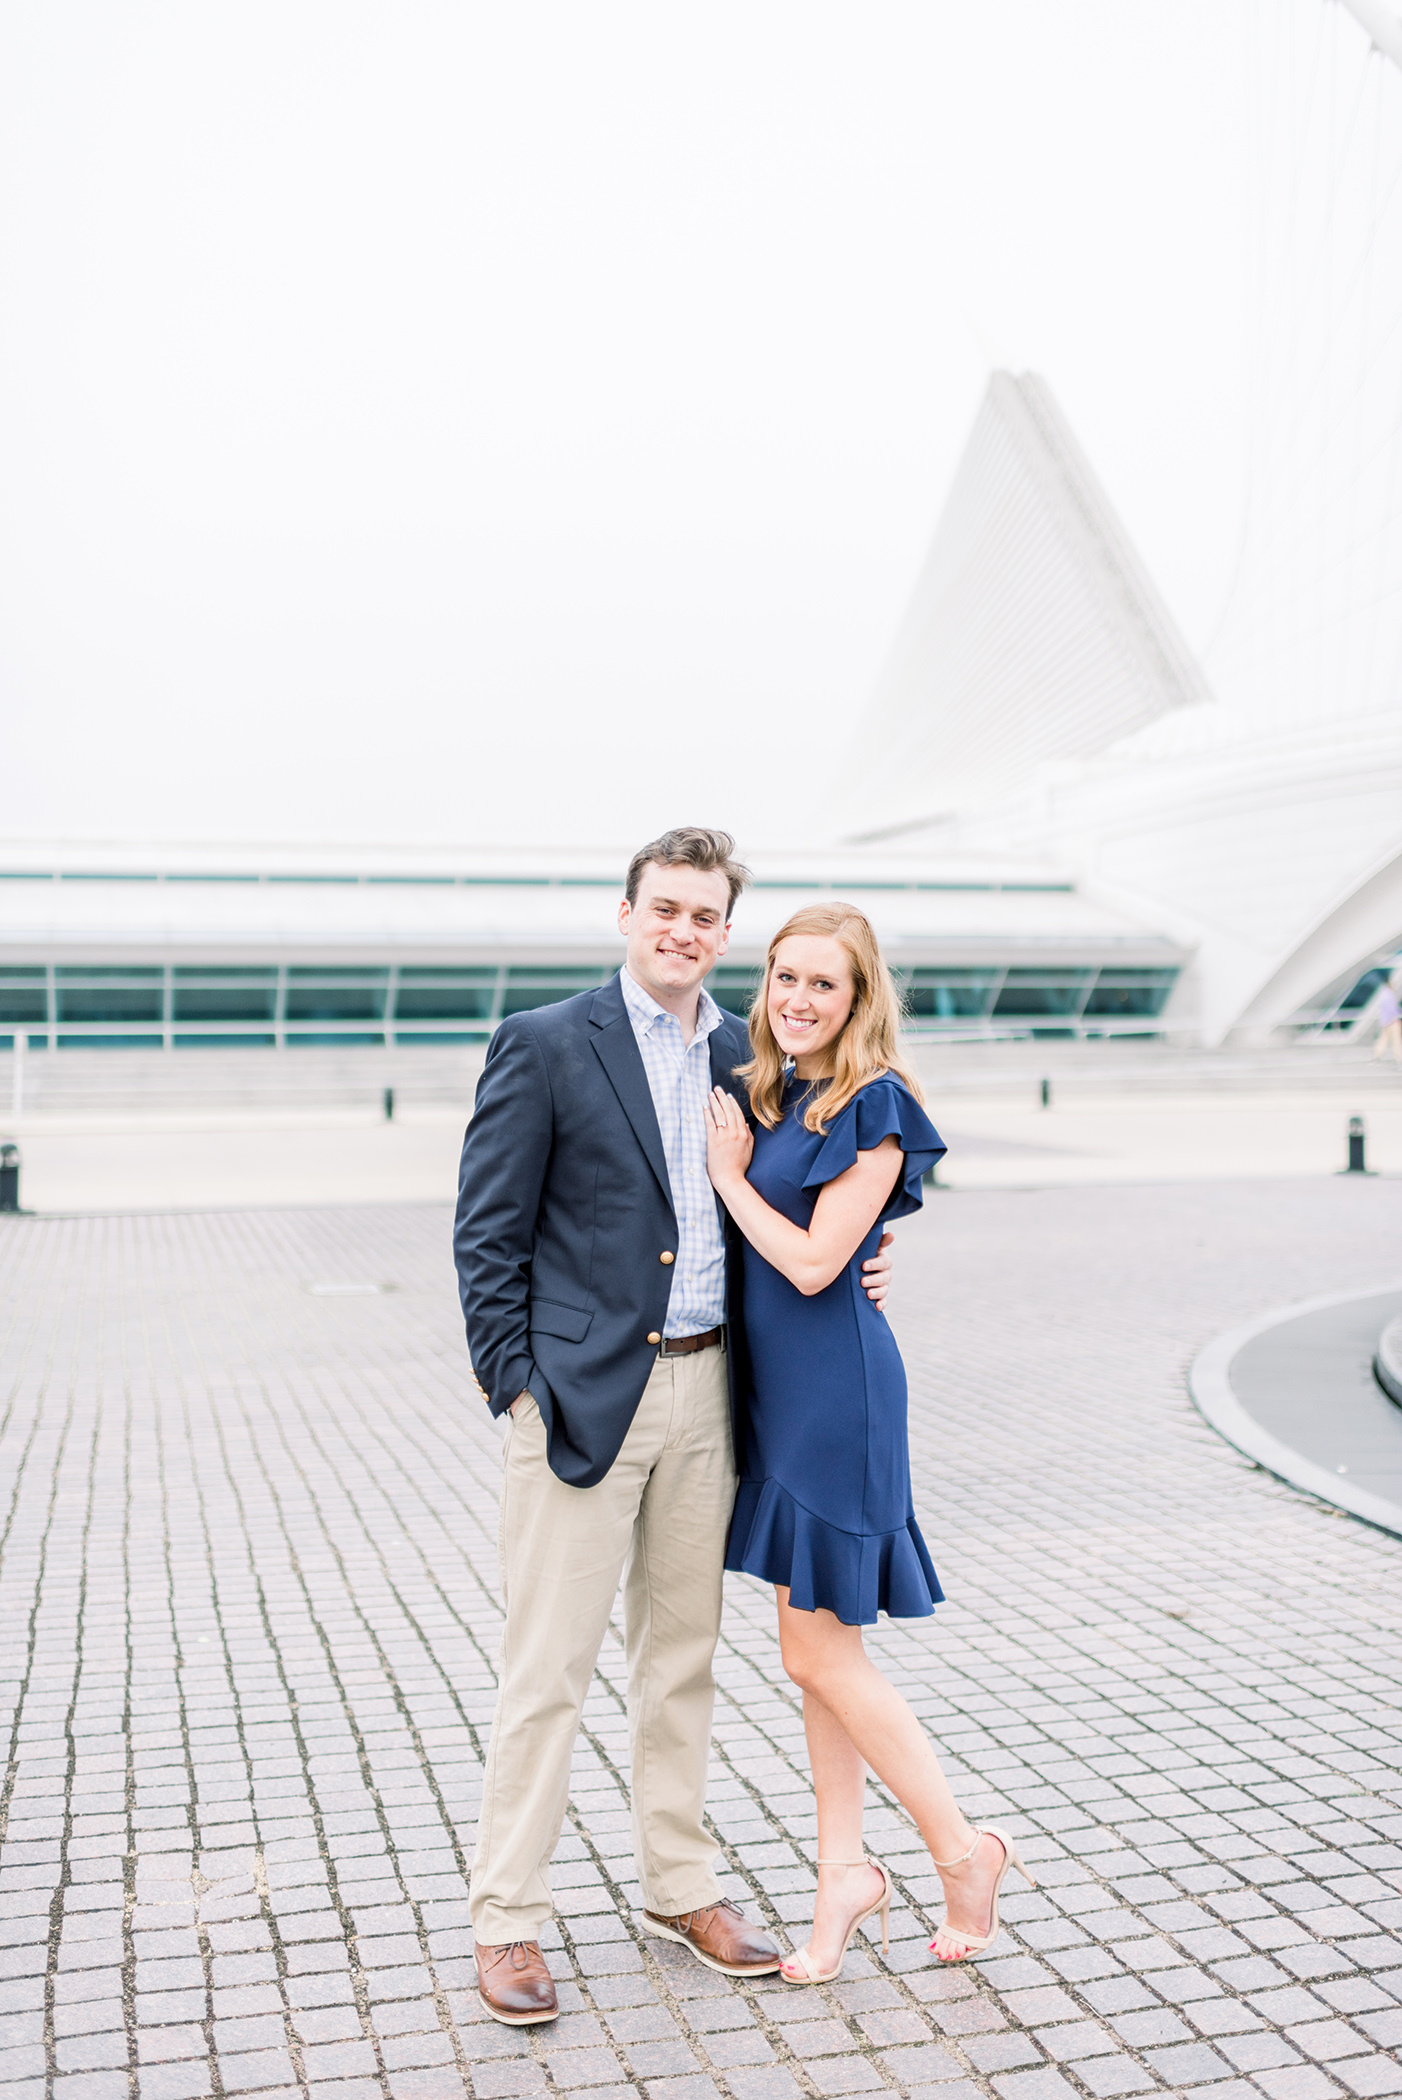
x=869, y=1044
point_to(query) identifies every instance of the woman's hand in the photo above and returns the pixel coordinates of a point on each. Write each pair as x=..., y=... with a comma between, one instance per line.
x=729, y=1142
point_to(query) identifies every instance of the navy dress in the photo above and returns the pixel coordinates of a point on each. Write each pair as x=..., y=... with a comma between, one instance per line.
x=824, y=1502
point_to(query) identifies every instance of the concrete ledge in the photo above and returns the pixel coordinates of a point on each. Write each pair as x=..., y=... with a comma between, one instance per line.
x=1295, y=1390
x=1387, y=1364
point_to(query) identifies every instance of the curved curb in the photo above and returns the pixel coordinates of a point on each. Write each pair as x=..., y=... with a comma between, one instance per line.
x=1210, y=1388
x=1387, y=1364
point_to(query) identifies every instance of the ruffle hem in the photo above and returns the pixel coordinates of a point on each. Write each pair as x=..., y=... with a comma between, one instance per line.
x=824, y=1569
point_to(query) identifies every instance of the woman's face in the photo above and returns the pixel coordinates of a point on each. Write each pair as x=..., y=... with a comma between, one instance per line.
x=809, y=999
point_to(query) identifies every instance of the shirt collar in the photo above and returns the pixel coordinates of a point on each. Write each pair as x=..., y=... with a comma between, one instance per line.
x=645, y=1012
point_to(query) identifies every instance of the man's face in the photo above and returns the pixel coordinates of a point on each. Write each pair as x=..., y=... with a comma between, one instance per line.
x=677, y=931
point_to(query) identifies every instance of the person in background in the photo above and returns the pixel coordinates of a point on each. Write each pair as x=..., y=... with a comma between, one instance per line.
x=1388, y=1010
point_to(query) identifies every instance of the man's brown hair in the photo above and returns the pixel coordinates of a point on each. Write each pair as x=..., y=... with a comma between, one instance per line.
x=691, y=846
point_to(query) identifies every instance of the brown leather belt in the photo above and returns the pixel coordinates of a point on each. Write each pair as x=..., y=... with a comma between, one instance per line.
x=688, y=1344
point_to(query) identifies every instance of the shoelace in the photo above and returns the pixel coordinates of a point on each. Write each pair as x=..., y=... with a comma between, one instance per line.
x=701, y=1917
x=509, y=1949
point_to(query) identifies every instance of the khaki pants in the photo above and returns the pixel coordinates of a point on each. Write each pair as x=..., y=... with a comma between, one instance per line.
x=661, y=1513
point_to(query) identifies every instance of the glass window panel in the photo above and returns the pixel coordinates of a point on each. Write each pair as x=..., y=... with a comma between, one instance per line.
x=569, y=979
x=1036, y=992
x=525, y=1000
x=337, y=1041
x=19, y=1005
x=733, y=987
x=1042, y=974
x=464, y=973
x=224, y=1042
x=344, y=973
x=23, y=973
x=98, y=973
x=110, y=1003
x=443, y=1035
x=1363, y=991
x=201, y=973
x=954, y=973
x=948, y=1002
x=950, y=995
x=533, y=985
x=1131, y=1002
x=1032, y=1000
x=225, y=1002
x=343, y=1002
x=444, y=1002
x=111, y=1042
x=1135, y=994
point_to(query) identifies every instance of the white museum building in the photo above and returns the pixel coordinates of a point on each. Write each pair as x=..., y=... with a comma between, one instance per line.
x=1079, y=839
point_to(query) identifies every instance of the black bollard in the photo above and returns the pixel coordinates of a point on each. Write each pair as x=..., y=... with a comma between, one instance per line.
x=389, y=1104
x=1357, y=1164
x=1046, y=1093
x=9, y=1177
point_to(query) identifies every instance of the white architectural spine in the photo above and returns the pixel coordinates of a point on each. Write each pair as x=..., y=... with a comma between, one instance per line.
x=1382, y=25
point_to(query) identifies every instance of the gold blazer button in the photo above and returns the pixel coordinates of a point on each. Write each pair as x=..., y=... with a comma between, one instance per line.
x=666, y=1257
x=654, y=1339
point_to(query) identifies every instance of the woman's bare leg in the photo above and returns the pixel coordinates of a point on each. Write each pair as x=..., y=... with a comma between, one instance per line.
x=839, y=1781
x=854, y=1718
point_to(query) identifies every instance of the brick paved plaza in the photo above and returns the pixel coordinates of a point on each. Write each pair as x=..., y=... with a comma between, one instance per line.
x=247, y=1514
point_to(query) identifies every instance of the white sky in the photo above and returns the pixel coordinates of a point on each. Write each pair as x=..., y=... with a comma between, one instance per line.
x=470, y=423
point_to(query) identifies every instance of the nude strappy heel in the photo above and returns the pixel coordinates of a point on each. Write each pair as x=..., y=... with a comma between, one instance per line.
x=882, y=1904
x=1011, y=1858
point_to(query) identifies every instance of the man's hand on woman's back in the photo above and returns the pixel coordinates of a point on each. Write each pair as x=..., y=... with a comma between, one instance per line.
x=876, y=1272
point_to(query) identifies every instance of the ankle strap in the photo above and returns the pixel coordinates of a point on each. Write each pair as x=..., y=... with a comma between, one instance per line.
x=963, y=1857
x=862, y=1862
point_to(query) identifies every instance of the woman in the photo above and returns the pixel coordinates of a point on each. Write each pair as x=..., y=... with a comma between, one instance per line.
x=824, y=1509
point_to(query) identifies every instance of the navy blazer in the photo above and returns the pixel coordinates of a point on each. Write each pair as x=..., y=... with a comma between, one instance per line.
x=564, y=1219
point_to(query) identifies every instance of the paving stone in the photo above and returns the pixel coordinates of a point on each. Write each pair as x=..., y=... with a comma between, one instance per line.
x=1001, y=2052
x=176, y=2081
x=1369, y=2075
x=768, y=2083
x=1034, y=2085
x=1109, y=2076
x=845, y=2074
x=1188, y=2064
x=1297, y=2082
x=913, y=2068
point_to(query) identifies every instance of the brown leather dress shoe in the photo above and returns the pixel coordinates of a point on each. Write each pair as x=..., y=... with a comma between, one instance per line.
x=514, y=1984
x=723, y=1938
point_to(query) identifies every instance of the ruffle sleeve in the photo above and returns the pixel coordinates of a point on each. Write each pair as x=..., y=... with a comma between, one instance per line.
x=883, y=1108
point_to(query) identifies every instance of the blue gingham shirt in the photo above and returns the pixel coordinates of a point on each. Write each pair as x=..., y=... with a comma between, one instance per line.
x=679, y=1079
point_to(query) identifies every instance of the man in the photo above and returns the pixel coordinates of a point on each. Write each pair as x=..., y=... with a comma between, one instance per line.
x=600, y=1285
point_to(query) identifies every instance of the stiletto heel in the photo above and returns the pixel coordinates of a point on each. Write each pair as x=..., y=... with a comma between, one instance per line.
x=973, y=1944
x=882, y=1904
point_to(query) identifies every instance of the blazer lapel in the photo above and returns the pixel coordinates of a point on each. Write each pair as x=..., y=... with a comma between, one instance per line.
x=621, y=1058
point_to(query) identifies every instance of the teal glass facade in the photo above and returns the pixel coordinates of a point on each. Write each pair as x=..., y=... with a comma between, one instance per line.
x=283, y=1005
